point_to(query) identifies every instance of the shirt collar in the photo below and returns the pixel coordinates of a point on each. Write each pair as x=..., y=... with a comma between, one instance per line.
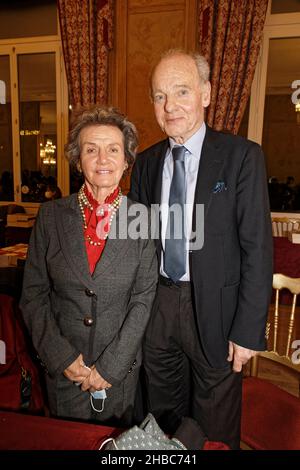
x=194, y=143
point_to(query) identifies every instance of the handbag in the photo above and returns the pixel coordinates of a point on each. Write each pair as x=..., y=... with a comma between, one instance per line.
x=20, y=388
x=147, y=436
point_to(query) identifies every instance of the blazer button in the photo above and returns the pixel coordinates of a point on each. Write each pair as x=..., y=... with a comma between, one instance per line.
x=131, y=368
x=42, y=364
x=88, y=321
x=89, y=292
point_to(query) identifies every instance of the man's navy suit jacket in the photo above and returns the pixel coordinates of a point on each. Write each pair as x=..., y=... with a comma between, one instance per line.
x=232, y=273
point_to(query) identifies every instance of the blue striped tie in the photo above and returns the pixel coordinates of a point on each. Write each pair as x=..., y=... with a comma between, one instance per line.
x=175, y=243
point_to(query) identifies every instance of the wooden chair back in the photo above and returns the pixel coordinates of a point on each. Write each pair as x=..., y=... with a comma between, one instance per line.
x=291, y=355
x=282, y=226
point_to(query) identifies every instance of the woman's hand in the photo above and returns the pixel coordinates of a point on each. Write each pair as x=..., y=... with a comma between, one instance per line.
x=77, y=371
x=94, y=381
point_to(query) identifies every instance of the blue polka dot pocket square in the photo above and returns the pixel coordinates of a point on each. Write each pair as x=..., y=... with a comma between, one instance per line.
x=219, y=187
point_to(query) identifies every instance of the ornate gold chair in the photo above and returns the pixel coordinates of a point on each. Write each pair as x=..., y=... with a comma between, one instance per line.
x=281, y=226
x=271, y=415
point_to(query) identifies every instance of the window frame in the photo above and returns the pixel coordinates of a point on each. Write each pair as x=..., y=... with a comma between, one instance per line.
x=277, y=26
x=32, y=45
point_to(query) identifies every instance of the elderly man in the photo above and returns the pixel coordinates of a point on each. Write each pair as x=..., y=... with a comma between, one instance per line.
x=209, y=315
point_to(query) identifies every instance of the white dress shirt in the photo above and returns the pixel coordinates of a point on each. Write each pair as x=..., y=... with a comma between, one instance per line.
x=191, y=164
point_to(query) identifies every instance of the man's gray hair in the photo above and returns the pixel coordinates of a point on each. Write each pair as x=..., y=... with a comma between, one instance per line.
x=200, y=62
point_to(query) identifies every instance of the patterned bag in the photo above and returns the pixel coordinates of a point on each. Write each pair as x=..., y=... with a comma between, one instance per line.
x=147, y=436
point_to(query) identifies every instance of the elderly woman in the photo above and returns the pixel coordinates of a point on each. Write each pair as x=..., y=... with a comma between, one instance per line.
x=87, y=290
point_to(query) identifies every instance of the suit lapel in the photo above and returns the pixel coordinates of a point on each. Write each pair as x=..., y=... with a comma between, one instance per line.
x=209, y=172
x=155, y=176
x=69, y=224
x=155, y=171
x=210, y=168
x=116, y=242
x=70, y=230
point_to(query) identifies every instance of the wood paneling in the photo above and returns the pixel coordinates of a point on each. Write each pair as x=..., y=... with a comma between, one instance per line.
x=148, y=39
x=152, y=5
x=144, y=29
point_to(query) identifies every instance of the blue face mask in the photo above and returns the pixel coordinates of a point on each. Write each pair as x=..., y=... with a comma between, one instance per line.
x=98, y=395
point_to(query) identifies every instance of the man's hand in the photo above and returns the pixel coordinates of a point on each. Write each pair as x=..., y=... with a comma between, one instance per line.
x=94, y=381
x=77, y=371
x=239, y=355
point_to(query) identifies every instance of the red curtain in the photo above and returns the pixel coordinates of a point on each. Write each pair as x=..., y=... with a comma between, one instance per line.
x=87, y=36
x=230, y=35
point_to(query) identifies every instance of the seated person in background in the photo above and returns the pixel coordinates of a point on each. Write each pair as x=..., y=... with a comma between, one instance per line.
x=52, y=190
x=6, y=187
x=88, y=291
x=274, y=189
x=288, y=193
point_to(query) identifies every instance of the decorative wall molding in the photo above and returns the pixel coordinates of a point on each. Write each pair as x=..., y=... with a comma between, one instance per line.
x=144, y=29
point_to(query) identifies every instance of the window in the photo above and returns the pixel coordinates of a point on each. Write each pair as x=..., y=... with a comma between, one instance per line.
x=281, y=125
x=33, y=117
x=37, y=117
x=6, y=160
x=273, y=120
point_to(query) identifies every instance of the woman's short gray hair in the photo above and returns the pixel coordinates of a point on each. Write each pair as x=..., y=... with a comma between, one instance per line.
x=102, y=116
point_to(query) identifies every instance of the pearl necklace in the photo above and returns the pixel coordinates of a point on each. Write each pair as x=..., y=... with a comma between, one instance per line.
x=112, y=209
